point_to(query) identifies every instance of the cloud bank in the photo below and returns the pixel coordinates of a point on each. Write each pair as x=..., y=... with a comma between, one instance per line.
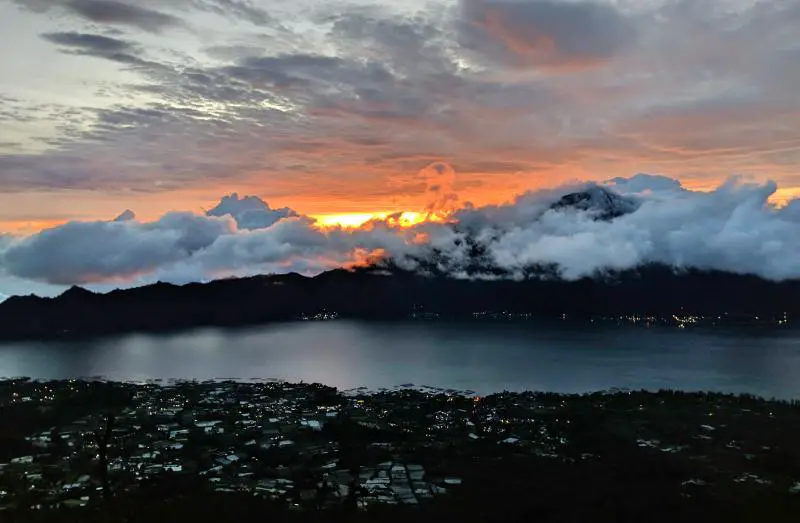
x=652, y=220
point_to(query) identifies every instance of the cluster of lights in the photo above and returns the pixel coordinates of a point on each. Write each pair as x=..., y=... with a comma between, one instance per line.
x=320, y=316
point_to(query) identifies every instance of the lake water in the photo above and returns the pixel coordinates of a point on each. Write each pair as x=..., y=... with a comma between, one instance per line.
x=482, y=357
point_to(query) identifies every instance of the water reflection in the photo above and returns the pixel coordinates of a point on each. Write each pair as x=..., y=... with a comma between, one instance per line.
x=481, y=357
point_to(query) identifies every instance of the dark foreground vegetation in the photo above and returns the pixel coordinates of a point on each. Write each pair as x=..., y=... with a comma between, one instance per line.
x=390, y=293
x=78, y=451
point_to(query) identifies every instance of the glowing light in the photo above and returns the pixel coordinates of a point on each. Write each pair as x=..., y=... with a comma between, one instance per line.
x=355, y=220
x=344, y=220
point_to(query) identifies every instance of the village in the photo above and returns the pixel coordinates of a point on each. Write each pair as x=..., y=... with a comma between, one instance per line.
x=73, y=443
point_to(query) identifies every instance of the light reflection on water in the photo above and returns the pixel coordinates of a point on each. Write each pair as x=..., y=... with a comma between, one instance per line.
x=482, y=357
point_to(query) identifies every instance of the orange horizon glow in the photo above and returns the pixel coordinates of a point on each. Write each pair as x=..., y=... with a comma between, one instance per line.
x=327, y=220
x=360, y=219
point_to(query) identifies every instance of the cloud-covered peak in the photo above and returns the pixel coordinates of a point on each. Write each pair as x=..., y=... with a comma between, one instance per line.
x=250, y=212
x=126, y=215
x=602, y=202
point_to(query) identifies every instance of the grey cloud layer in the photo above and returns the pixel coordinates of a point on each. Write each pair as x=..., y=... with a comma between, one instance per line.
x=111, y=12
x=545, y=33
x=732, y=228
x=97, y=46
x=499, y=85
x=154, y=16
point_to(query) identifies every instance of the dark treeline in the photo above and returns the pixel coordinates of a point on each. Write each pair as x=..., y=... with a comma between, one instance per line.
x=371, y=294
x=524, y=489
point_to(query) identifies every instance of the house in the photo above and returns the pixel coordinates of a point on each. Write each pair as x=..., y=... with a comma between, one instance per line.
x=178, y=433
x=313, y=424
x=416, y=475
x=398, y=473
x=210, y=427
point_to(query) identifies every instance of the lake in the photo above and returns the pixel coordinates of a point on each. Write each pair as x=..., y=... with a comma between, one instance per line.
x=484, y=357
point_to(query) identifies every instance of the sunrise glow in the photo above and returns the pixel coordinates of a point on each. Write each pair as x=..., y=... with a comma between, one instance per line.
x=355, y=220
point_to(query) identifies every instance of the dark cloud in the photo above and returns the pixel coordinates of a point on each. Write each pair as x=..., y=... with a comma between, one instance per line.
x=111, y=12
x=149, y=15
x=98, y=46
x=96, y=43
x=549, y=34
x=241, y=9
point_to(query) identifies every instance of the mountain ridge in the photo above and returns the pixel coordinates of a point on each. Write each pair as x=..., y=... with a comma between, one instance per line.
x=388, y=293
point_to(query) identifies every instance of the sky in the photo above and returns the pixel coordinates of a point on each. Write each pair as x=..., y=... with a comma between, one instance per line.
x=341, y=110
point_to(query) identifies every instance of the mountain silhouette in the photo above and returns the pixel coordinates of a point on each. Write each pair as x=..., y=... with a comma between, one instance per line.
x=389, y=293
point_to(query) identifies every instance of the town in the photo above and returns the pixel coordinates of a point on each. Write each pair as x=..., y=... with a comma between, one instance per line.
x=72, y=445
x=679, y=319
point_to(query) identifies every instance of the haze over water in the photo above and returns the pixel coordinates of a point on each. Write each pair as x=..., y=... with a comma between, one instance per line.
x=481, y=357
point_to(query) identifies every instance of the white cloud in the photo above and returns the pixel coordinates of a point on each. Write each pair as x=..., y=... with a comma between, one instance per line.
x=732, y=228
x=85, y=252
x=250, y=212
x=644, y=183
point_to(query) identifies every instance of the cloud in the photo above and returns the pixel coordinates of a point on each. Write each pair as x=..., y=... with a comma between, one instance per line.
x=732, y=228
x=96, y=45
x=644, y=183
x=546, y=34
x=86, y=252
x=147, y=15
x=111, y=12
x=250, y=212
x=337, y=107
x=241, y=9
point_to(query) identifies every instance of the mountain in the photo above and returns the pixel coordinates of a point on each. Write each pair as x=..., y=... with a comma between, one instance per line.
x=390, y=293
x=603, y=203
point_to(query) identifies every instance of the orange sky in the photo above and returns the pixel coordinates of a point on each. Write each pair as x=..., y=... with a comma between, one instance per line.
x=481, y=189
x=344, y=111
